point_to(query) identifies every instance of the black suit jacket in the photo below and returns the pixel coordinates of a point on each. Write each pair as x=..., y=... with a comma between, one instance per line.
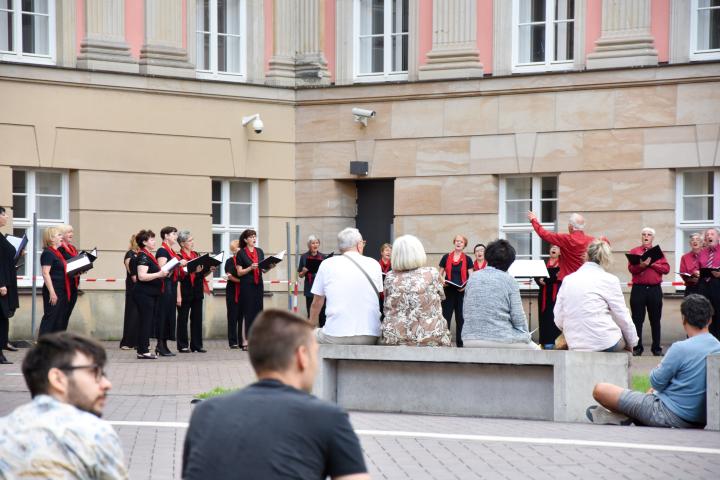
x=8, y=278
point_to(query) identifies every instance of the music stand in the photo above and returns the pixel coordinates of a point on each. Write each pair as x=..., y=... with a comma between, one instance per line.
x=528, y=269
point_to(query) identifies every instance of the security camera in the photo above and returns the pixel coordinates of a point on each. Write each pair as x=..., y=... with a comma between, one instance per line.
x=361, y=115
x=257, y=123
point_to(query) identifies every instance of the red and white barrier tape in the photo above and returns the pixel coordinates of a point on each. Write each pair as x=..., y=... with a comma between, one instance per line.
x=113, y=280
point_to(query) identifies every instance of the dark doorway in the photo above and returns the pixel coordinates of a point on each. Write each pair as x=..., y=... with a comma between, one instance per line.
x=375, y=213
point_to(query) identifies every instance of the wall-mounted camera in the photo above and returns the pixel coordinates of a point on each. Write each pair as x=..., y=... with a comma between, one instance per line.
x=257, y=123
x=361, y=115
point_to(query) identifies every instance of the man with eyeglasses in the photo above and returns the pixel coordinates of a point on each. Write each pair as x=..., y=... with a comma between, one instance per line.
x=59, y=433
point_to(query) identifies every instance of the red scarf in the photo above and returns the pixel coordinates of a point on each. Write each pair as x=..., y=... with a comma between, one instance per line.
x=554, y=288
x=385, y=267
x=190, y=256
x=72, y=251
x=174, y=255
x=154, y=260
x=235, y=284
x=449, y=264
x=253, y=256
x=60, y=257
x=477, y=266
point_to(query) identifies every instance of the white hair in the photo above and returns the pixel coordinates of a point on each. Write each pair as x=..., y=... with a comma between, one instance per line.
x=348, y=238
x=649, y=230
x=407, y=253
x=183, y=236
x=312, y=238
x=577, y=221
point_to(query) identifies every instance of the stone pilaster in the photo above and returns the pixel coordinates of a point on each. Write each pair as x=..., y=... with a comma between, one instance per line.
x=626, y=39
x=163, y=52
x=454, y=51
x=104, y=46
x=298, y=58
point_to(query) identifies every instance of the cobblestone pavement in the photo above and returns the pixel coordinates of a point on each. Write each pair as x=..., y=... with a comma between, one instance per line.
x=396, y=446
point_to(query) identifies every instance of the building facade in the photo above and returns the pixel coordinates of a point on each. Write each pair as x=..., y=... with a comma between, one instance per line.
x=119, y=115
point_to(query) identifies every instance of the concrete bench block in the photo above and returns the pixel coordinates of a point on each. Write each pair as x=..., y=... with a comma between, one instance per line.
x=483, y=382
x=713, y=392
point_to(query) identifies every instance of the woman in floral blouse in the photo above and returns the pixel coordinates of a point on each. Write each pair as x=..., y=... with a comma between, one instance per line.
x=413, y=292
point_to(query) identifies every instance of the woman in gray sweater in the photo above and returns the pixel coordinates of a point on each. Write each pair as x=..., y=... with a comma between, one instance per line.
x=494, y=316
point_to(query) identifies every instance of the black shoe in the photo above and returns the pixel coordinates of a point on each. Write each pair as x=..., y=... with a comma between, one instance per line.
x=146, y=356
x=9, y=347
x=658, y=353
x=4, y=361
x=637, y=351
x=184, y=350
x=199, y=350
x=164, y=352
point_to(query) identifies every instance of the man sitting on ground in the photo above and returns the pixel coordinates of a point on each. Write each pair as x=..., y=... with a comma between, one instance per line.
x=59, y=434
x=678, y=394
x=274, y=428
x=350, y=282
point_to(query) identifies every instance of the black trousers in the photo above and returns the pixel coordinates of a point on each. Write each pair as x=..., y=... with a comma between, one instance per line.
x=251, y=304
x=148, y=311
x=453, y=303
x=53, y=319
x=167, y=312
x=234, y=323
x=131, y=321
x=4, y=330
x=308, y=304
x=191, y=307
x=711, y=290
x=690, y=289
x=650, y=298
x=71, y=304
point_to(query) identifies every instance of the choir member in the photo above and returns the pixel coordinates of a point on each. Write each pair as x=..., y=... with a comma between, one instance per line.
x=130, y=323
x=232, y=300
x=479, y=262
x=546, y=300
x=709, y=286
x=646, y=293
x=573, y=245
x=170, y=298
x=56, y=283
x=8, y=288
x=690, y=266
x=251, y=280
x=147, y=291
x=192, y=294
x=69, y=251
x=455, y=267
x=313, y=253
x=385, y=267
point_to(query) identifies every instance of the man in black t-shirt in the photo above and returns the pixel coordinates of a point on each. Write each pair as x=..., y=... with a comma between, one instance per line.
x=274, y=428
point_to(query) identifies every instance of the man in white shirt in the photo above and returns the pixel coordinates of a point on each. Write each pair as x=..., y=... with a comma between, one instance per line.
x=350, y=284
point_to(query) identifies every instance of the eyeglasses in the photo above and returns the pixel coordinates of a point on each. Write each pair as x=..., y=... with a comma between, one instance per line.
x=96, y=369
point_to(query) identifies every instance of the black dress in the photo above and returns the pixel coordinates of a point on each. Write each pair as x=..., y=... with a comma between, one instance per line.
x=251, y=300
x=232, y=302
x=546, y=303
x=168, y=301
x=309, y=280
x=74, y=284
x=453, y=302
x=53, y=319
x=193, y=294
x=131, y=321
x=8, y=279
x=147, y=297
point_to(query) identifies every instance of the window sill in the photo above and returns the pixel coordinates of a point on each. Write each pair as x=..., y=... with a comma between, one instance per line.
x=33, y=60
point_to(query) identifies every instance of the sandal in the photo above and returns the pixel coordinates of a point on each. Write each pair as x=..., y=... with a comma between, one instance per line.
x=146, y=356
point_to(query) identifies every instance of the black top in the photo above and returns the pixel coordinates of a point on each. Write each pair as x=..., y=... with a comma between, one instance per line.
x=455, y=271
x=57, y=269
x=552, y=278
x=244, y=261
x=8, y=278
x=193, y=288
x=163, y=253
x=230, y=271
x=268, y=431
x=152, y=287
x=132, y=266
x=67, y=256
x=309, y=277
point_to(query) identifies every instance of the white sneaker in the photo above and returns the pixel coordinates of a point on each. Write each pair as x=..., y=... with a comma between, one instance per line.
x=603, y=416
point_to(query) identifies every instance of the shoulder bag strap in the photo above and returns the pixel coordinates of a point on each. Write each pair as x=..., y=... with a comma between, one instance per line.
x=372, y=284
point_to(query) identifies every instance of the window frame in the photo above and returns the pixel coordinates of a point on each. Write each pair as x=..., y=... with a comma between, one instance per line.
x=550, y=20
x=226, y=229
x=17, y=54
x=26, y=223
x=695, y=54
x=386, y=75
x=536, y=206
x=213, y=73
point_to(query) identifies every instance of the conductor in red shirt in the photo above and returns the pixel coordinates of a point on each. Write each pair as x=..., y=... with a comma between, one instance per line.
x=646, y=293
x=573, y=244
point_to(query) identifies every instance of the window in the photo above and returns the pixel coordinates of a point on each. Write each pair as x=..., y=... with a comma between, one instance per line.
x=381, y=40
x=44, y=193
x=27, y=31
x=234, y=209
x=517, y=196
x=705, y=30
x=543, y=35
x=220, y=36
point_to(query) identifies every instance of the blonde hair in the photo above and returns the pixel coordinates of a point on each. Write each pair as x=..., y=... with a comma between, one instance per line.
x=599, y=252
x=384, y=246
x=64, y=228
x=133, y=244
x=463, y=237
x=235, y=246
x=48, y=235
x=407, y=253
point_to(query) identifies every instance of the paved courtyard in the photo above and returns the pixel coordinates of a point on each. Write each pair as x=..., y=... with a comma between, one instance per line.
x=150, y=406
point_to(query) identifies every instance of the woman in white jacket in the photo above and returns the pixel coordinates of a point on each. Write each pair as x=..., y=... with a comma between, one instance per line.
x=590, y=308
